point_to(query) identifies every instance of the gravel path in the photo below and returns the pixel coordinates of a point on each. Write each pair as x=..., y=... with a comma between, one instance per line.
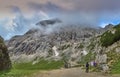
x=73, y=72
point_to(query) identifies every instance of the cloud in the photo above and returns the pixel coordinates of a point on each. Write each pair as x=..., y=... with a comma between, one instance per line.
x=80, y=11
x=90, y=5
x=82, y=5
x=73, y=5
x=60, y=9
x=48, y=7
x=20, y=23
x=4, y=28
x=46, y=16
x=17, y=17
x=15, y=9
x=9, y=25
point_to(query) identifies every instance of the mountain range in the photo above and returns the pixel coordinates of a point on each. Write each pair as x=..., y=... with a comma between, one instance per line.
x=56, y=43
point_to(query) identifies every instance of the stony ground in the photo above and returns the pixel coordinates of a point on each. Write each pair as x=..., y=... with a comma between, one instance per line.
x=73, y=72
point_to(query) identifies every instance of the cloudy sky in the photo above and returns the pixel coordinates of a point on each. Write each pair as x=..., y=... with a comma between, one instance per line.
x=18, y=16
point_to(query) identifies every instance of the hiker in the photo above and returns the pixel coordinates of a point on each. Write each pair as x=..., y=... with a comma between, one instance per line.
x=65, y=64
x=87, y=67
x=95, y=64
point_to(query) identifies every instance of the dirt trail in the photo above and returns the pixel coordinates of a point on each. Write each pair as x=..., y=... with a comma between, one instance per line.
x=73, y=72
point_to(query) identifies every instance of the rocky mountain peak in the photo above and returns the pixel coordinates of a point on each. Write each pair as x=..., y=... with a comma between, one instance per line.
x=32, y=31
x=109, y=26
x=49, y=22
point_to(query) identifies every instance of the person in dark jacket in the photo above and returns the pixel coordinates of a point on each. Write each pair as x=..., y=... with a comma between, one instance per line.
x=87, y=67
x=65, y=64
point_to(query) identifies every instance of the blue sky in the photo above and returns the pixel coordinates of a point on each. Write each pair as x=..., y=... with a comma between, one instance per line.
x=17, y=17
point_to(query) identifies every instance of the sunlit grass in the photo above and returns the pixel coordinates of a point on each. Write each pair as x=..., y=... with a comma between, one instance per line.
x=116, y=68
x=22, y=69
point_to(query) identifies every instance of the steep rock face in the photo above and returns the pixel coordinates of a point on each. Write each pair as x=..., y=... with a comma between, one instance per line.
x=67, y=41
x=53, y=40
x=4, y=57
x=33, y=40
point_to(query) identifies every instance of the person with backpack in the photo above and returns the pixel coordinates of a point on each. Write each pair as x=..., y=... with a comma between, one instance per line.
x=87, y=67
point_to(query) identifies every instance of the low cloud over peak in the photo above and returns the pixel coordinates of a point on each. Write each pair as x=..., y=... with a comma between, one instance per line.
x=27, y=13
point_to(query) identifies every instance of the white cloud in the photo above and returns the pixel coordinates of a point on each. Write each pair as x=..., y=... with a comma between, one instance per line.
x=9, y=26
x=20, y=23
x=45, y=15
x=103, y=25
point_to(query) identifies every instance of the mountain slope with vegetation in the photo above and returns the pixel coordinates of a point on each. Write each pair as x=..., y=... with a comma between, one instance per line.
x=111, y=36
x=108, y=44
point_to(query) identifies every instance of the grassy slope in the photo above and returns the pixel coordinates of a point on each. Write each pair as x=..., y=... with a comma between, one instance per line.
x=116, y=68
x=114, y=58
x=19, y=70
